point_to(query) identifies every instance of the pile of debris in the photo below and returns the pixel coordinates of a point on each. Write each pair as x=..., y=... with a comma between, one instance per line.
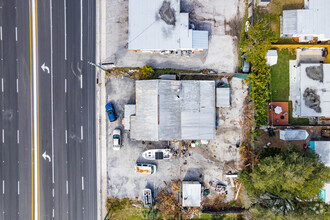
x=315, y=72
x=312, y=99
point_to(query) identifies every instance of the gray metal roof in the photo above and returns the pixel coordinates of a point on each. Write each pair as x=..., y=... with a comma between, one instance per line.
x=148, y=31
x=200, y=39
x=174, y=110
x=313, y=20
x=289, y=22
x=223, y=97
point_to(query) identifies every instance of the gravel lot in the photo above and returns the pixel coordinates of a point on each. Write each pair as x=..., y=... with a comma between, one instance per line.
x=221, y=18
x=206, y=163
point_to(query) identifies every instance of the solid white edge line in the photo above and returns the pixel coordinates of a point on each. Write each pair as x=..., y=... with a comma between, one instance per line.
x=3, y=187
x=2, y=85
x=81, y=81
x=3, y=136
x=18, y=188
x=17, y=85
x=82, y=183
x=52, y=84
x=66, y=136
x=81, y=30
x=35, y=110
x=16, y=33
x=67, y=187
x=18, y=136
x=82, y=132
x=65, y=89
x=65, y=30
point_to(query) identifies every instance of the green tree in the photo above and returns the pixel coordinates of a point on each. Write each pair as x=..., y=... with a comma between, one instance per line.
x=147, y=72
x=259, y=40
x=287, y=182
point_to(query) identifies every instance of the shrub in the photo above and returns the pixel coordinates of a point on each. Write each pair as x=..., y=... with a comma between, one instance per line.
x=147, y=72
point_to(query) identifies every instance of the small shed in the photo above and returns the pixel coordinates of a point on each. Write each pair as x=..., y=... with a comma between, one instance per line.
x=271, y=57
x=191, y=194
x=293, y=134
x=223, y=97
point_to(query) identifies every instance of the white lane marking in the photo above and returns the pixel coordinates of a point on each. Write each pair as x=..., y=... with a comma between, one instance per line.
x=81, y=30
x=53, y=213
x=17, y=85
x=18, y=187
x=35, y=111
x=53, y=193
x=66, y=136
x=3, y=136
x=81, y=81
x=67, y=187
x=18, y=136
x=65, y=86
x=65, y=29
x=16, y=33
x=3, y=187
x=2, y=84
x=1, y=32
x=52, y=84
x=82, y=132
x=82, y=183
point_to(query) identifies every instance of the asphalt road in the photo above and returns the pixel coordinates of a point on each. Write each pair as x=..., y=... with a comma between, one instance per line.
x=66, y=42
x=66, y=110
x=15, y=114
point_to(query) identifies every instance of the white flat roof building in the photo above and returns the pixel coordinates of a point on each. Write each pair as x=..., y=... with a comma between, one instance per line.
x=312, y=21
x=159, y=25
x=312, y=82
x=174, y=110
x=322, y=148
x=191, y=194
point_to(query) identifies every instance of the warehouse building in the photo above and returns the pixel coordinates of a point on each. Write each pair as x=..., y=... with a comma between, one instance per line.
x=156, y=25
x=167, y=110
x=307, y=23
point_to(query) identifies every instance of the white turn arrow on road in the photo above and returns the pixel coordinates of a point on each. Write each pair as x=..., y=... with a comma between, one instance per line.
x=44, y=67
x=45, y=156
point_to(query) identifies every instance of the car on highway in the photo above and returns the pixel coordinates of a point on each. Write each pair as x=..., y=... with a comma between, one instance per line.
x=111, y=112
x=116, y=139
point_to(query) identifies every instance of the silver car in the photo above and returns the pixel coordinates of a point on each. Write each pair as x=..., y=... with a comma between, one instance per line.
x=116, y=139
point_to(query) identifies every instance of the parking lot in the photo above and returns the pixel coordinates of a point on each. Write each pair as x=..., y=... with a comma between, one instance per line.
x=220, y=18
x=206, y=163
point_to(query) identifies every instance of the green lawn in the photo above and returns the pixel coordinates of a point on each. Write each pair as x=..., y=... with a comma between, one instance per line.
x=296, y=121
x=280, y=83
x=280, y=76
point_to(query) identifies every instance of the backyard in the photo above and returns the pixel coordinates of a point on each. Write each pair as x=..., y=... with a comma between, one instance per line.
x=280, y=83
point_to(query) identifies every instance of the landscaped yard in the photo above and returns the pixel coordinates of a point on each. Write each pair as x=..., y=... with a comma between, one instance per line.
x=279, y=82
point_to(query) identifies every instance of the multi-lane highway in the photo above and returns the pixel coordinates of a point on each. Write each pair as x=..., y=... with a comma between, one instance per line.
x=15, y=115
x=63, y=183
x=66, y=42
